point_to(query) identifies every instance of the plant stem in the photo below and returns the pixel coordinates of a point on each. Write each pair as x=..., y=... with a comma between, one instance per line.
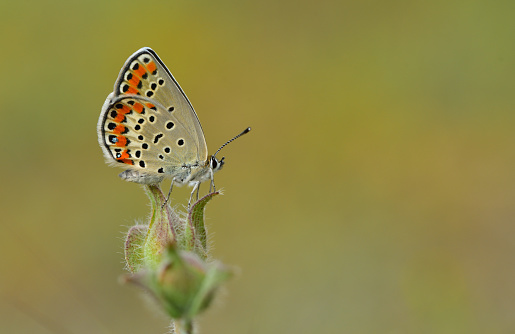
x=183, y=326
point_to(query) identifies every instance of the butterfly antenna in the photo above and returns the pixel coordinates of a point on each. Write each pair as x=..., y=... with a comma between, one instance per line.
x=247, y=130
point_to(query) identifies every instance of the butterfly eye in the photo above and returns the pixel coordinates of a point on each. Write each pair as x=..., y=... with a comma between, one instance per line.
x=214, y=163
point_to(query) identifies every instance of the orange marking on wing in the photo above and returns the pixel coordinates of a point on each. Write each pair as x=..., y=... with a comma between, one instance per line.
x=120, y=113
x=124, y=155
x=138, y=107
x=119, y=118
x=140, y=71
x=124, y=110
x=127, y=161
x=150, y=105
x=151, y=67
x=122, y=141
x=131, y=90
x=134, y=81
x=119, y=129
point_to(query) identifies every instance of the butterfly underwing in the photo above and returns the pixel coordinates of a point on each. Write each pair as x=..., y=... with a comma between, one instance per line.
x=148, y=125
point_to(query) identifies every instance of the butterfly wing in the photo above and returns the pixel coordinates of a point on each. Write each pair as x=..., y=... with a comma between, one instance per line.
x=148, y=123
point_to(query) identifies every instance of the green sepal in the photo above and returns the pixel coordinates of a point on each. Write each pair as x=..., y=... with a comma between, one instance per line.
x=196, y=228
x=161, y=231
x=215, y=276
x=134, y=243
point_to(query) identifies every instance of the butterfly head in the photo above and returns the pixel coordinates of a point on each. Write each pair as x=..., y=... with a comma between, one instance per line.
x=216, y=164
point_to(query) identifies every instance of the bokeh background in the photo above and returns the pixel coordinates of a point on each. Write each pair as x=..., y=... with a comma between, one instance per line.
x=375, y=193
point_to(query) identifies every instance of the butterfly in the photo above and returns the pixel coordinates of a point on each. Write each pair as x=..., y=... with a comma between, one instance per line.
x=148, y=125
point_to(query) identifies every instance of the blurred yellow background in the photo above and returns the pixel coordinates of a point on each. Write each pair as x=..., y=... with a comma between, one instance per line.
x=375, y=193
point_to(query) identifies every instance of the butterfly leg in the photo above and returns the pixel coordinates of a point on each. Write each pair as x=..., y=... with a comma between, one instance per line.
x=169, y=193
x=195, y=188
x=212, y=184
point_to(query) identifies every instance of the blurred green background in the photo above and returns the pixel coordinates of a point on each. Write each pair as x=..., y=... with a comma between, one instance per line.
x=375, y=193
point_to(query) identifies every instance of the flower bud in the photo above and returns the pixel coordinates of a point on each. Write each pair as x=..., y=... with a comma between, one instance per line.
x=183, y=283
